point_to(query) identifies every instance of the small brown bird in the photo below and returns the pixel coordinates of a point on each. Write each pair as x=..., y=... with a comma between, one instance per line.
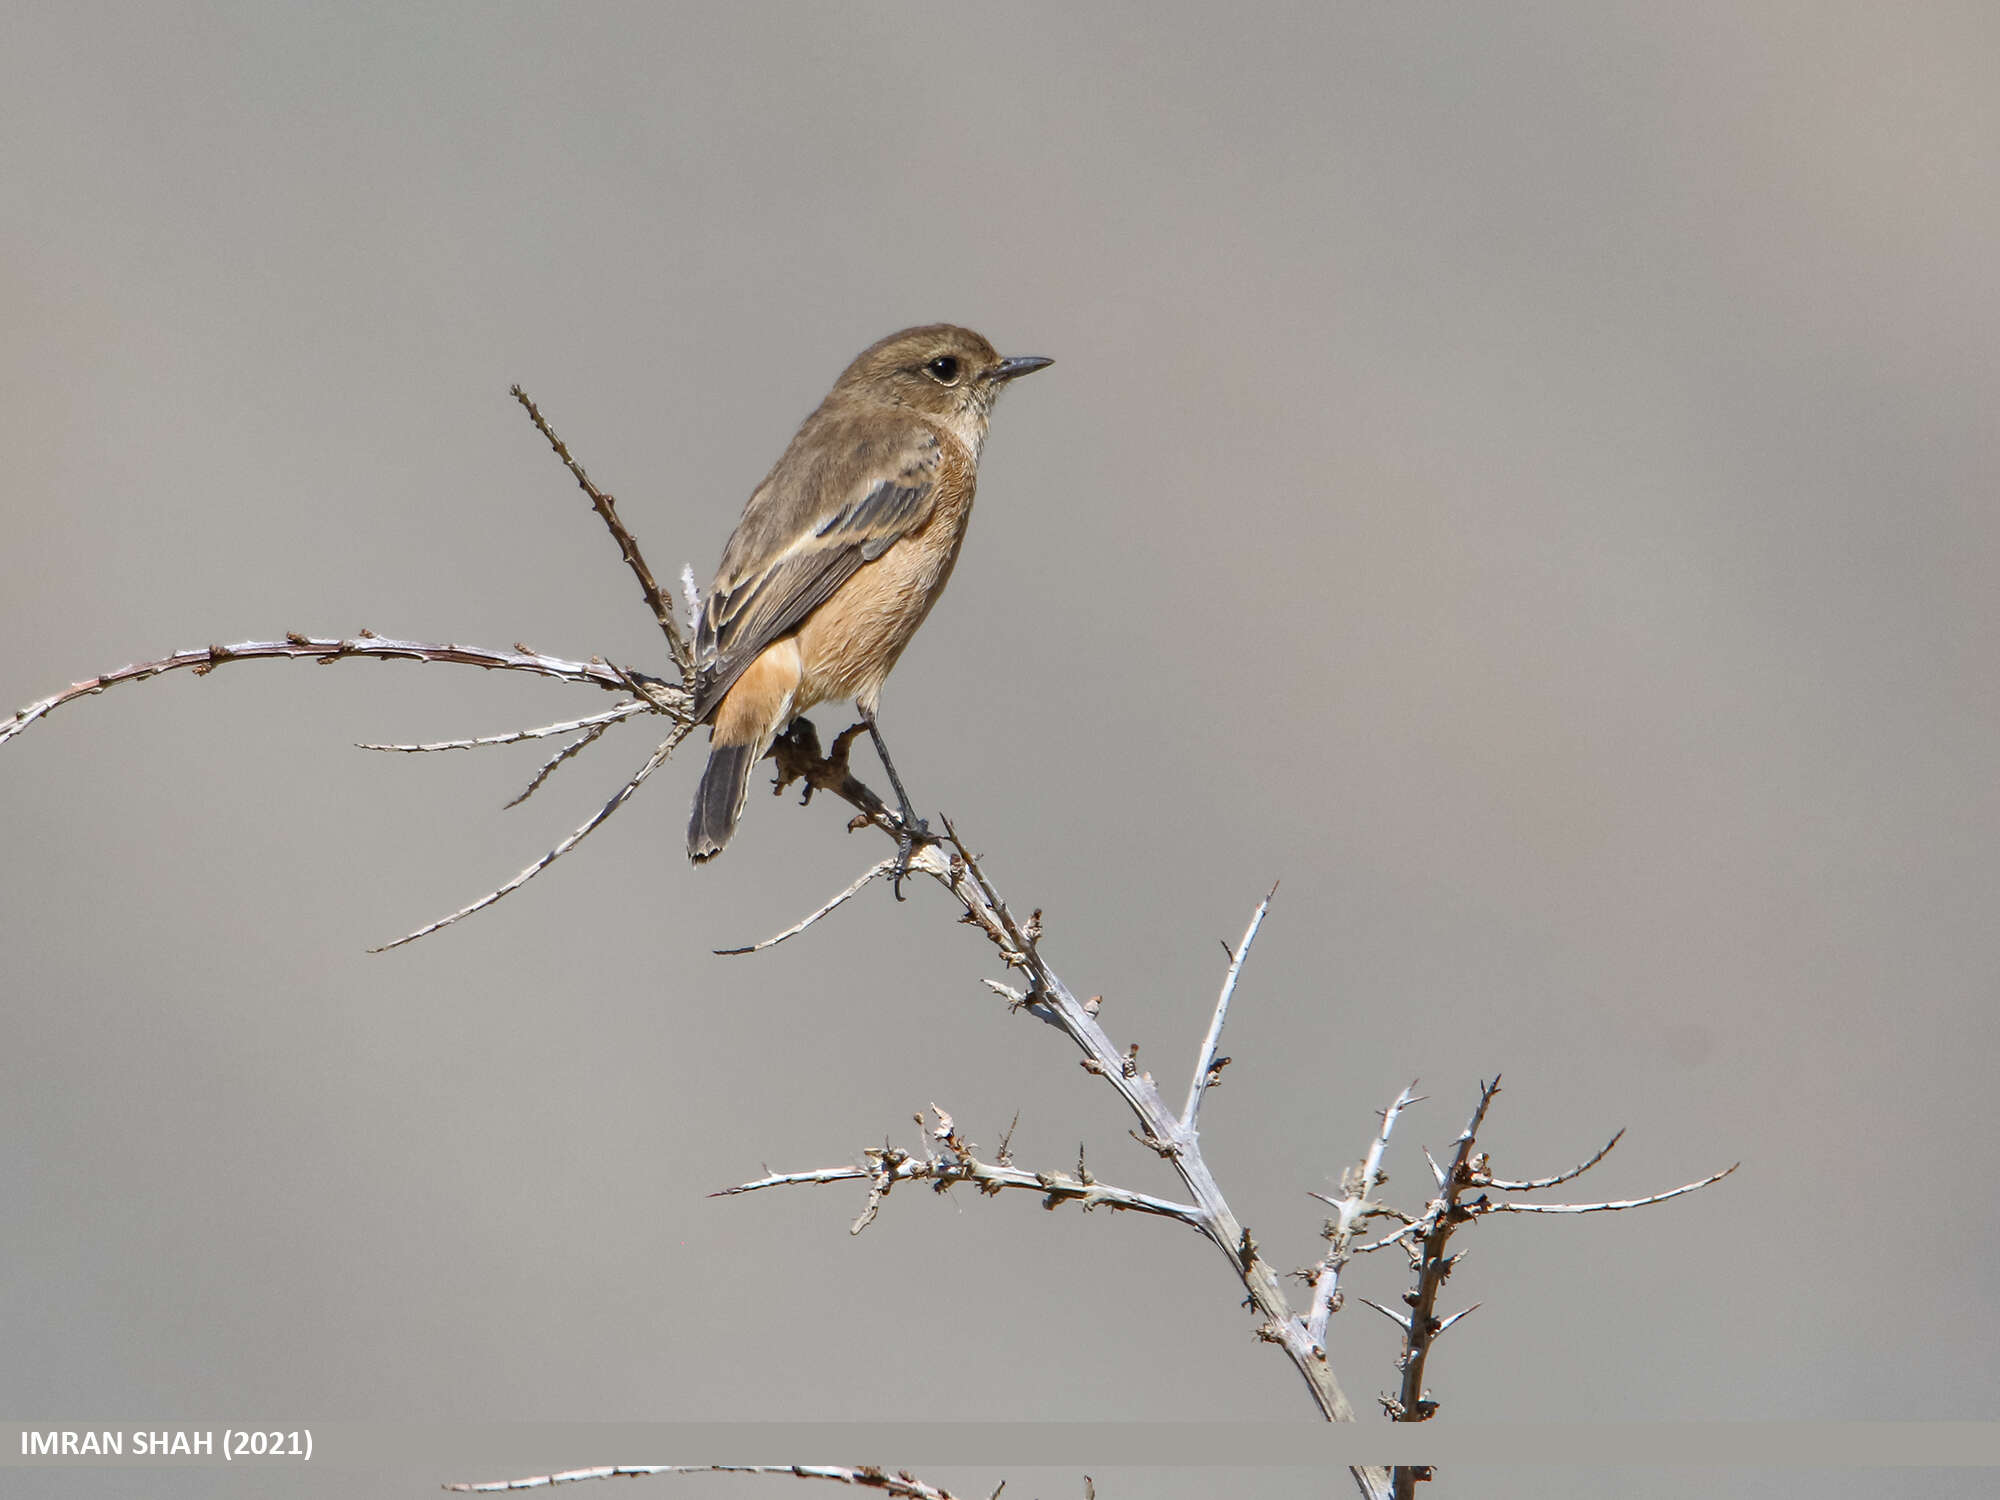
x=839, y=556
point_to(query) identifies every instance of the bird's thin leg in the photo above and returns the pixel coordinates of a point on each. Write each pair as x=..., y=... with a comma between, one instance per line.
x=913, y=827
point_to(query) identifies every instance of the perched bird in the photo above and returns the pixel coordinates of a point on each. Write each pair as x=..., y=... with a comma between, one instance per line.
x=839, y=556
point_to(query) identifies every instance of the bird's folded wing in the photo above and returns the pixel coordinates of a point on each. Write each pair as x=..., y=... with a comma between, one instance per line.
x=792, y=550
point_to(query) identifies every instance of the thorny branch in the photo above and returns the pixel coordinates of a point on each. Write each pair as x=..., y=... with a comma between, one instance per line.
x=1206, y=1068
x=576, y=836
x=1531, y=1184
x=1046, y=997
x=1356, y=1205
x=944, y=1169
x=205, y=659
x=568, y=752
x=651, y=694
x=1174, y=1136
x=607, y=509
x=1428, y=1237
x=517, y=736
x=1420, y=1325
x=879, y=868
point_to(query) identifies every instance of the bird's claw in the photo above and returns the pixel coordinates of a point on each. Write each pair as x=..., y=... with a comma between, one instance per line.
x=907, y=834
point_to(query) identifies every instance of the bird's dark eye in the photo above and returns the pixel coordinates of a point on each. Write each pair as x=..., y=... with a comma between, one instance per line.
x=943, y=369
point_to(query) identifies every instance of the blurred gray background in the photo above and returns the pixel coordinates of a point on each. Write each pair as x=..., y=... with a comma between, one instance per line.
x=1523, y=476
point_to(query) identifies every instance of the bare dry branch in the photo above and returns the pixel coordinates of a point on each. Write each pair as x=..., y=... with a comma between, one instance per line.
x=1397, y=1237
x=1429, y=1236
x=653, y=762
x=882, y=868
x=949, y=1160
x=1533, y=1184
x=904, y=1485
x=887, y=1165
x=959, y=871
x=1205, y=1068
x=1356, y=1205
x=324, y=649
x=653, y=695
x=1433, y=1265
x=575, y=747
x=1506, y=1206
x=628, y=545
x=517, y=736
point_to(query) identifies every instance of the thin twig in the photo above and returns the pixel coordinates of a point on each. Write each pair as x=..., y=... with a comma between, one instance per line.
x=1412, y=1226
x=628, y=544
x=575, y=747
x=1204, y=1062
x=1507, y=1206
x=517, y=736
x=903, y=1485
x=653, y=762
x=205, y=659
x=798, y=927
x=886, y=1165
x=1533, y=1184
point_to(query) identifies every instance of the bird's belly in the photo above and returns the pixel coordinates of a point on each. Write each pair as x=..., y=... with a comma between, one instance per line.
x=850, y=642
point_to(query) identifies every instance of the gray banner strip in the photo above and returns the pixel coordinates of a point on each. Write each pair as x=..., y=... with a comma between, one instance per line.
x=502, y=1450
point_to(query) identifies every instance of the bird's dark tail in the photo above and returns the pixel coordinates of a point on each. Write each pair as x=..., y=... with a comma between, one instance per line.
x=718, y=801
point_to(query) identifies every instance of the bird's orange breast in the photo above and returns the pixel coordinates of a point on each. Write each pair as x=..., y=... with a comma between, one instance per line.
x=849, y=644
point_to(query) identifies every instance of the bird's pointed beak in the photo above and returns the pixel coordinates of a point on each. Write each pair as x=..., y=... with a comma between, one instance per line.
x=1018, y=365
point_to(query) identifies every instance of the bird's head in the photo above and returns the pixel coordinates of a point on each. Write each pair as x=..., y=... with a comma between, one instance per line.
x=948, y=373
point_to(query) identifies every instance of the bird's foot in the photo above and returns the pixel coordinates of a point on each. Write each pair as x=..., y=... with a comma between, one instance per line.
x=796, y=752
x=911, y=830
x=799, y=758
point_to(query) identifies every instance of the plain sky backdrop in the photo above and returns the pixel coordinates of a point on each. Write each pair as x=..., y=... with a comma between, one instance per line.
x=1524, y=476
